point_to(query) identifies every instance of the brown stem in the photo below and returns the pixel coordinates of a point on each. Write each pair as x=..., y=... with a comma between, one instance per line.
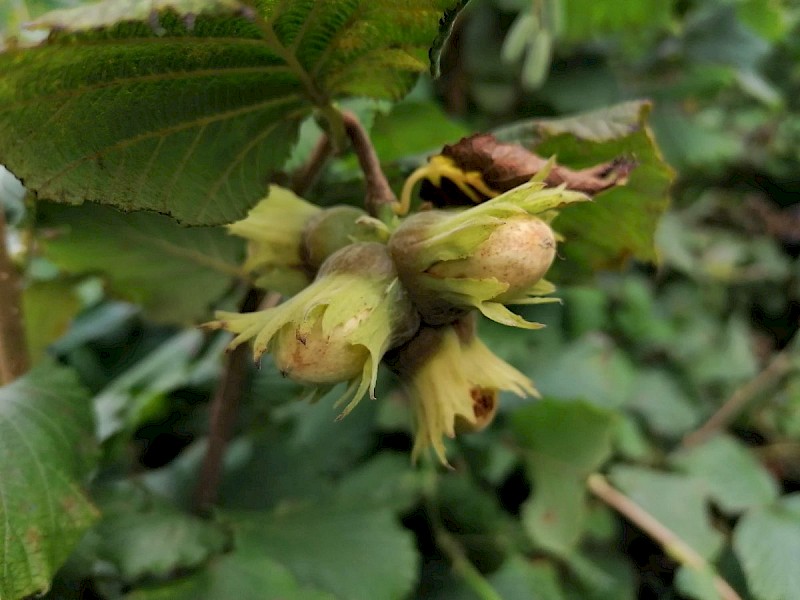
x=379, y=193
x=779, y=366
x=223, y=412
x=669, y=540
x=307, y=175
x=14, y=358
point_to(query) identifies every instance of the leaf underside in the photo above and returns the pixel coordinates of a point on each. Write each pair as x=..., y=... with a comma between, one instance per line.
x=46, y=448
x=189, y=111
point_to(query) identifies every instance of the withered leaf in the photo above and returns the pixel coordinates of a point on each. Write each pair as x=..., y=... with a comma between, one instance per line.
x=505, y=166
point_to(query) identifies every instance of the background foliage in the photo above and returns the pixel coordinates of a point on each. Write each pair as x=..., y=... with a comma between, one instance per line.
x=631, y=366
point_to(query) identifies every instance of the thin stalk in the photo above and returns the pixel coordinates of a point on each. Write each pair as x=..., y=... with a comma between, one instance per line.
x=379, y=193
x=780, y=365
x=14, y=357
x=224, y=410
x=668, y=539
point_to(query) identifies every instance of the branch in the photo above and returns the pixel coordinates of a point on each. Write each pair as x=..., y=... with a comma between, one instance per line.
x=379, y=193
x=669, y=540
x=779, y=366
x=223, y=412
x=14, y=358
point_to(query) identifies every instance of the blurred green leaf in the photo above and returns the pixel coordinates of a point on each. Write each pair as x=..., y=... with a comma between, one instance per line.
x=242, y=575
x=174, y=272
x=696, y=584
x=665, y=407
x=677, y=501
x=733, y=477
x=144, y=536
x=414, y=128
x=590, y=369
x=563, y=443
x=767, y=542
x=521, y=578
x=194, y=123
x=48, y=308
x=585, y=19
x=351, y=552
x=46, y=451
x=120, y=405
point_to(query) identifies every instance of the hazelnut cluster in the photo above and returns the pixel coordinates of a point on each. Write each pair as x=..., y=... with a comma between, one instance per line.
x=361, y=292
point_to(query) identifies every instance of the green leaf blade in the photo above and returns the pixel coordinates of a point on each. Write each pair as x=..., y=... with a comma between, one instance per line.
x=350, y=552
x=191, y=125
x=188, y=107
x=46, y=449
x=174, y=272
x=767, y=542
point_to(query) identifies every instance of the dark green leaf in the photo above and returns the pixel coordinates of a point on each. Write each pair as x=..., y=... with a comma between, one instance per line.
x=734, y=478
x=46, y=450
x=120, y=405
x=565, y=442
x=590, y=369
x=677, y=501
x=630, y=211
x=188, y=111
x=767, y=542
x=665, y=407
x=174, y=272
x=141, y=535
x=239, y=576
x=354, y=553
x=524, y=579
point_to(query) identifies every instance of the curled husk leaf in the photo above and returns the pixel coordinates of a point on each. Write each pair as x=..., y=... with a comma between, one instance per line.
x=338, y=328
x=274, y=229
x=484, y=257
x=452, y=381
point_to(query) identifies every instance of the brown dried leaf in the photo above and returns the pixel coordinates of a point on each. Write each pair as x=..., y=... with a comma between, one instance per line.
x=505, y=166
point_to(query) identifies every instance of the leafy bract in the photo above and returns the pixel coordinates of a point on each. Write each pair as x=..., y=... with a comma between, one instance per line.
x=46, y=449
x=621, y=222
x=187, y=107
x=174, y=272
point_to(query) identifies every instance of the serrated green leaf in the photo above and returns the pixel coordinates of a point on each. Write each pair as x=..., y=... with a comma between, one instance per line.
x=677, y=501
x=46, y=450
x=174, y=272
x=186, y=107
x=566, y=441
x=767, y=542
x=734, y=478
x=353, y=553
x=630, y=211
